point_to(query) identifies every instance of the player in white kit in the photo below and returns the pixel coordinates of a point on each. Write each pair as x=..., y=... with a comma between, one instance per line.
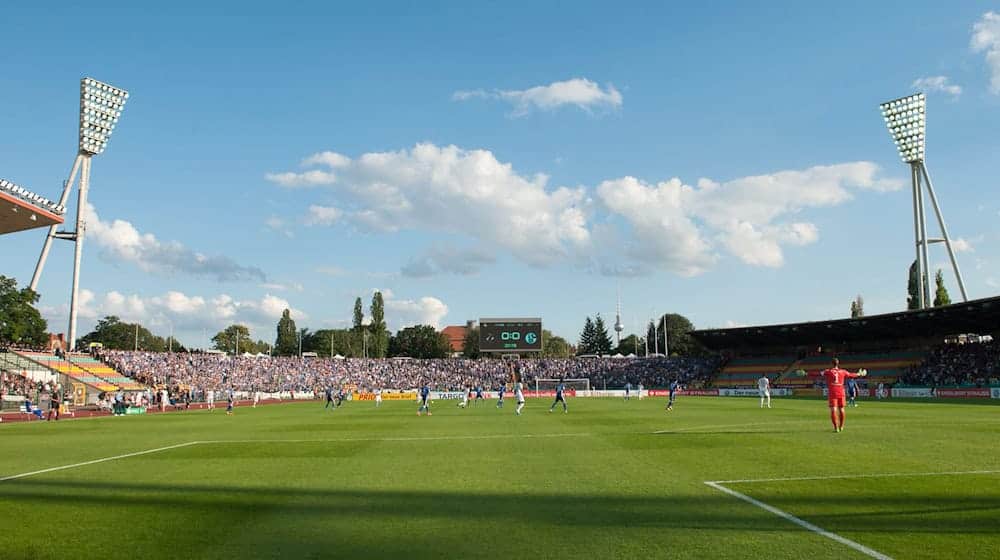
x=519, y=397
x=256, y=397
x=210, y=399
x=378, y=397
x=764, y=388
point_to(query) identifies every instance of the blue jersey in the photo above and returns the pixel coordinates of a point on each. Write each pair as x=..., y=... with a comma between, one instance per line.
x=674, y=386
x=628, y=387
x=479, y=392
x=852, y=386
x=559, y=390
x=500, y=392
x=425, y=392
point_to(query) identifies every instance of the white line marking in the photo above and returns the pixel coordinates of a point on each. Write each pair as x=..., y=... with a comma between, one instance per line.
x=801, y=523
x=95, y=461
x=851, y=476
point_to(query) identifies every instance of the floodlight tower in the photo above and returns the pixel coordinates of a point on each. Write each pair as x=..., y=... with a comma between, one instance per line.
x=906, y=119
x=101, y=106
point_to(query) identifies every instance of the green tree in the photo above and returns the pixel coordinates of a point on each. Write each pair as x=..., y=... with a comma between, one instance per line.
x=631, y=344
x=674, y=334
x=359, y=315
x=20, y=322
x=913, y=288
x=555, y=346
x=602, y=341
x=588, y=338
x=226, y=340
x=941, y=296
x=378, y=341
x=287, y=342
x=117, y=335
x=470, y=346
x=651, y=333
x=420, y=341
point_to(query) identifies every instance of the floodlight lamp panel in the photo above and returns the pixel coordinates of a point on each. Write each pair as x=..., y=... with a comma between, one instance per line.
x=101, y=106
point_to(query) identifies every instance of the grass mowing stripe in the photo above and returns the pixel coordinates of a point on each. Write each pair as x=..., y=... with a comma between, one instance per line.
x=95, y=461
x=852, y=476
x=413, y=438
x=801, y=523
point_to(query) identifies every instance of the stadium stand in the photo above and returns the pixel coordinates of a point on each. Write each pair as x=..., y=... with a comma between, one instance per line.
x=744, y=372
x=69, y=369
x=103, y=371
x=884, y=367
x=21, y=209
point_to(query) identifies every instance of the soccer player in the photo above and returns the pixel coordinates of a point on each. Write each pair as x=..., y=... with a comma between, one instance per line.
x=256, y=397
x=560, y=398
x=674, y=387
x=425, y=400
x=230, y=398
x=519, y=396
x=628, y=389
x=880, y=392
x=465, y=399
x=852, y=392
x=378, y=397
x=639, y=391
x=329, y=399
x=479, y=394
x=835, y=378
x=764, y=388
x=501, y=391
x=210, y=399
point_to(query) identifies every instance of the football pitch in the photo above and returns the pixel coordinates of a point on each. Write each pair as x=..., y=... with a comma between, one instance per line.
x=714, y=478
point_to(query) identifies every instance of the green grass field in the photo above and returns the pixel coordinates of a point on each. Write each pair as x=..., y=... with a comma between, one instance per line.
x=608, y=480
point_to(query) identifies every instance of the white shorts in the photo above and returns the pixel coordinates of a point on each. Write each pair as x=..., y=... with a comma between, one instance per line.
x=378, y=398
x=764, y=393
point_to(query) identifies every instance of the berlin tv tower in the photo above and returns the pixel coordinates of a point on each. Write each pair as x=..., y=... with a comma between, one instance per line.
x=619, y=327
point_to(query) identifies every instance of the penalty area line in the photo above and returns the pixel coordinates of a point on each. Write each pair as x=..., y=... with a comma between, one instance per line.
x=96, y=461
x=800, y=522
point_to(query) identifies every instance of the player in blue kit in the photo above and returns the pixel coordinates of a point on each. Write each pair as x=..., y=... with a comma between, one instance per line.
x=425, y=400
x=560, y=398
x=628, y=390
x=852, y=392
x=329, y=399
x=479, y=394
x=500, y=392
x=674, y=387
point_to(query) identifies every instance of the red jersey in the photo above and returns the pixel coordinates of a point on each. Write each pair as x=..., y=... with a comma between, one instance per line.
x=834, y=378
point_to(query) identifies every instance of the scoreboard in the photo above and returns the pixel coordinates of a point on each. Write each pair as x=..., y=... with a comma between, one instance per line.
x=510, y=335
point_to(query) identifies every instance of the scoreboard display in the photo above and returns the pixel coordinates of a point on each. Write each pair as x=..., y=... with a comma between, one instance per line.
x=510, y=335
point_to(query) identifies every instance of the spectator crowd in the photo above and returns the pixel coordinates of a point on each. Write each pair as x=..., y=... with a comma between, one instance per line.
x=969, y=364
x=184, y=372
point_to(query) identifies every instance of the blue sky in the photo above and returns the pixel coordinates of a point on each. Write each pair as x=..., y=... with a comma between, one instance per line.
x=723, y=161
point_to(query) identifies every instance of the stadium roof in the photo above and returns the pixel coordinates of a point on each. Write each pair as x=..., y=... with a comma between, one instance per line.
x=981, y=316
x=19, y=214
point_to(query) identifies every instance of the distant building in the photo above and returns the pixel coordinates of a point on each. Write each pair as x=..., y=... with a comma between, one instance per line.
x=456, y=336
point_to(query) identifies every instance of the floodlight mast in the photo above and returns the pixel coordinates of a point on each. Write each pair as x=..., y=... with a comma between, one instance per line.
x=101, y=106
x=906, y=119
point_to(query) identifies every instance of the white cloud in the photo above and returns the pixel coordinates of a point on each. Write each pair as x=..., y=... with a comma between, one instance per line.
x=578, y=92
x=938, y=83
x=986, y=38
x=279, y=287
x=322, y=215
x=962, y=245
x=121, y=241
x=631, y=227
x=465, y=261
x=448, y=189
x=332, y=160
x=402, y=313
x=279, y=225
x=312, y=178
x=180, y=310
x=333, y=271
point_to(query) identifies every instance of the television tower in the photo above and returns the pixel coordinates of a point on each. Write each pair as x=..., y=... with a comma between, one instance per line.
x=619, y=327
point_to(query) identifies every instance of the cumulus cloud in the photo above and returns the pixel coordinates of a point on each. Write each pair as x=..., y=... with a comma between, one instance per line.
x=279, y=225
x=312, y=178
x=962, y=245
x=986, y=39
x=623, y=227
x=578, y=92
x=119, y=240
x=448, y=189
x=180, y=310
x=322, y=215
x=938, y=83
x=401, y=313
x=464, y=261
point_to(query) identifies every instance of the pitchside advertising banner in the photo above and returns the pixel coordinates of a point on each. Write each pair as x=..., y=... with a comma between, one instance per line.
x=995, y=393
x=689, y=392
x=776, y=392
x=971, y=393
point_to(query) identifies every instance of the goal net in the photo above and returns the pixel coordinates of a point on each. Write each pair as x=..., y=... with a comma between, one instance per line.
x=550, y=384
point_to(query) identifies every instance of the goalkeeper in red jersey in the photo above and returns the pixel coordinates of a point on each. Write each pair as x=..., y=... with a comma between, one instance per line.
x=836, y=396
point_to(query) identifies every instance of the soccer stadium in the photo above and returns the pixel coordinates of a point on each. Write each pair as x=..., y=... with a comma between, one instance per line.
x=494, y=425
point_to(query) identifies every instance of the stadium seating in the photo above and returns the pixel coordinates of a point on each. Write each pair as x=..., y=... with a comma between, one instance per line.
x=69, y=369
x=744, y=372
x=885, y=367
x=103, y=371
